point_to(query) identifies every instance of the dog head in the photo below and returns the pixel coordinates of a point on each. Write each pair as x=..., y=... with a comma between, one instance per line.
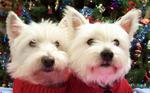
x=100, y=52
x=38, y=51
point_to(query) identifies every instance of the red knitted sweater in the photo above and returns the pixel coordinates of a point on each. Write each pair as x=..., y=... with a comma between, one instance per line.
x=25, y=87
x=77, y=86
x=74, y=85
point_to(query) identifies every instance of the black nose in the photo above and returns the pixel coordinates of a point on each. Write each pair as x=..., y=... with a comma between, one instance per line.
x=107, y=55
x=47, y=62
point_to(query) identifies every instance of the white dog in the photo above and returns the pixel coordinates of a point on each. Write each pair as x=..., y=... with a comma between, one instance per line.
x=38, y=51
x=100, y=52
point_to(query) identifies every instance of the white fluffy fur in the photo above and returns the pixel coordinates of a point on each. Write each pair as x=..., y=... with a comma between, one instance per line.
x=71, y=21
x=86, y=59
x=26, y=60
x=133, y=17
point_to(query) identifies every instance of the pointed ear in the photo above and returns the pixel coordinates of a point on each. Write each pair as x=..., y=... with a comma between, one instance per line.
x=13, y=25
x=130, y=22
x=72, y=19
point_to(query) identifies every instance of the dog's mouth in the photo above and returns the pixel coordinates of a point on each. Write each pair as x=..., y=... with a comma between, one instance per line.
x=48, y=69
x=105, y=64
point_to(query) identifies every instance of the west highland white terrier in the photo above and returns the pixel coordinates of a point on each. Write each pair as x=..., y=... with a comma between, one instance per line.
x=38, y=51
x=100, y=52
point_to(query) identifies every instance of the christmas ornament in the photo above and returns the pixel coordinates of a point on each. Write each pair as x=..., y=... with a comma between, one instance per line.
x=114, y=5
x=91, y=19
x=10, y=84
x=131, y=5
x=26, y=14
x=30, y=5
x=56, y=4
x=144, y=1
x=140, y=36
x=86, y=11
x=50, y=11
x=145, y=21
x=4, y=84
x=19, y=11
x=5, y=39
x=101, y=8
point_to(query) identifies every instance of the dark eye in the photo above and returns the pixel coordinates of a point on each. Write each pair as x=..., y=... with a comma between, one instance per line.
x=57, y=44
x=90, y=41
x=116, y=42
x=32, y=43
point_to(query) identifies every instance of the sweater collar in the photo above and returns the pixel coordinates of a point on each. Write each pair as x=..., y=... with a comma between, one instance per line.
x=107, y=88
x=58, y=85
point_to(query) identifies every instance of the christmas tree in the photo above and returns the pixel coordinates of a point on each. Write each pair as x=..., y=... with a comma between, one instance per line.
x=5, y=6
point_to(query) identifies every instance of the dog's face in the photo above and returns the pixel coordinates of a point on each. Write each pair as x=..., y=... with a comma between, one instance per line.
x=103, y=55
x=100, y=51
x=38, y=51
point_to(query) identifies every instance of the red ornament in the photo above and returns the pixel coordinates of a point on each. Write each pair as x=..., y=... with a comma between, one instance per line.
x=50, y=11
x=131, y=5
x=92, y=20
x=19, y=11
x=145, y=21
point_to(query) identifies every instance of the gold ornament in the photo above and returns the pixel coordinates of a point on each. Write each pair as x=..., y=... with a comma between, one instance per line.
x=56, y=4
x=101, y=8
